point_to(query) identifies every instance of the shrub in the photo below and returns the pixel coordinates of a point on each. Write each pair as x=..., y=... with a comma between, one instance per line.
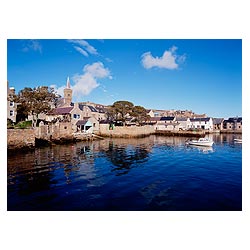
x=24, y=124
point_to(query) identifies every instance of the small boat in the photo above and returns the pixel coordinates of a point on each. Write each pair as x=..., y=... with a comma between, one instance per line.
x=238, y=140
x=200, y=142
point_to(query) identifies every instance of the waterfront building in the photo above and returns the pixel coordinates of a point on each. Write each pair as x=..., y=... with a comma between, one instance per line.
x=184, y=123
x=233, y=124
x=218, y=124
x=167, y=123
x=11, y=105
x=202, y=123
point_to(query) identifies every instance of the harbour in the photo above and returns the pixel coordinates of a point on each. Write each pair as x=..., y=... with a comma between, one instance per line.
x=154, y=173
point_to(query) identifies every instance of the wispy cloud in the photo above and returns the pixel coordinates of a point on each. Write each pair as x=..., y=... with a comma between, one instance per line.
x=32, y=45
x=169, y=60
x=83, y=47
x=108, y=59
x=82, y=51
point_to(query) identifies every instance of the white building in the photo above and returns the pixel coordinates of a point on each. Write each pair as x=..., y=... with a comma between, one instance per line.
x=202, y=123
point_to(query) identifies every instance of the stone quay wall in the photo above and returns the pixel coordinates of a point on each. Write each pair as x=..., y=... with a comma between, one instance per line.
x=20, y=138
x=125, y=132
x=55, y=132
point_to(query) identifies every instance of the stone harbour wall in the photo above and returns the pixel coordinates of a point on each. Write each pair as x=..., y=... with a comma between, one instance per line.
x=56, y=132
x=20, y=138
x=126, y=132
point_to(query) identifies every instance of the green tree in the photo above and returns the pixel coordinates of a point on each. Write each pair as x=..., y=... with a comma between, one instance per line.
x=35, y=101
x=139, y=113
x=121, y=109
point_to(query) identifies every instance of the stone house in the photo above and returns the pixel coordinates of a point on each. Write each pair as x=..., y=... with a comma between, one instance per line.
x=91, y=111
x=202, y=123
x=167, y=123
x=150, y=112
x=96, y=110
x=233, y=124
x=61, y=114
x=11, y=105
x=75, y=115
x=218, y=124
x=184, y=123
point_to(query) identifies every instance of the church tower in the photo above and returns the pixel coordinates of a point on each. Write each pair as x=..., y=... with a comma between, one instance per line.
x=67, y=94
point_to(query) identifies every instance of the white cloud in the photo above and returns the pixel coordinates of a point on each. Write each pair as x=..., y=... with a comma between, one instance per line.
x=169, y=60
x=97, y=70
x=58, y=90
x=32, y=45
x=83, y=52
x=83, y=46
x=86, y=82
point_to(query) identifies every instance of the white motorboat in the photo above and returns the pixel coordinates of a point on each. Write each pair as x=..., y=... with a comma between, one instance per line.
x=201, y=142
x=238, y=140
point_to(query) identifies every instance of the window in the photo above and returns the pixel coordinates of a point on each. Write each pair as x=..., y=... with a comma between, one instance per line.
x=93, y=124
x=76, y=116
x=68, y=94
x=65, y=127
x=11, y=104
x=11, y=113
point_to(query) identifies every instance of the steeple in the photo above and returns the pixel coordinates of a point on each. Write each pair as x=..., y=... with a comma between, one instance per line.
x=68, y=83
x=67, y=94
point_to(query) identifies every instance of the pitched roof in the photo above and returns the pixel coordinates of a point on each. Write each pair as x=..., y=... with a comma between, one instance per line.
x=82, y=122
x=181, y=119
x=206, y=119
x=60, y=111
x=152, y=119
x=92, y=108
x=233, y=120
x=105, y=122
x=89, y=106
x=217, y=120
x=167, y=118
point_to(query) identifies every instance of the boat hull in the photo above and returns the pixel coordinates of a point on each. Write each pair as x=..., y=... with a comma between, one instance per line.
x=204, y=144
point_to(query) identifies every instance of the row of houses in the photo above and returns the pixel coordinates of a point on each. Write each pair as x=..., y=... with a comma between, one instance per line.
x=87, y=117
x=174, y=113
x=206, y=123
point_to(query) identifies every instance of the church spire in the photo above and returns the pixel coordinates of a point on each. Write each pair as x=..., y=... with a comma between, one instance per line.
x=68, y=83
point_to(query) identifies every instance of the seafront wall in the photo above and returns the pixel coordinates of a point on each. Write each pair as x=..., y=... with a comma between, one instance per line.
x=62, y=132
x=55, y=132
x=125, y=132
x=20, y=138
x=182, y=133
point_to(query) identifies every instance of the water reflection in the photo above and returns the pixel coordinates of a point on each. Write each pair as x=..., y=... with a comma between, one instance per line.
x=106, y=174
x=124, y=157
x=201, y=149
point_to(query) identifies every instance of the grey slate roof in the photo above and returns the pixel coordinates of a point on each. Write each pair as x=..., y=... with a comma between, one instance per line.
x=234, y=119
x=181, y=119
x=217, y=120
x=167, y=118
x=200, y=119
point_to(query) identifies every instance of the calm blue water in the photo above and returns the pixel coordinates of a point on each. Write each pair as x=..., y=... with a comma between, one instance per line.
x=153, y=173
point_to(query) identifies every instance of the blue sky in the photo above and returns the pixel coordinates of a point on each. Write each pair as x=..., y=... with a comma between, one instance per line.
x=200, y=75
